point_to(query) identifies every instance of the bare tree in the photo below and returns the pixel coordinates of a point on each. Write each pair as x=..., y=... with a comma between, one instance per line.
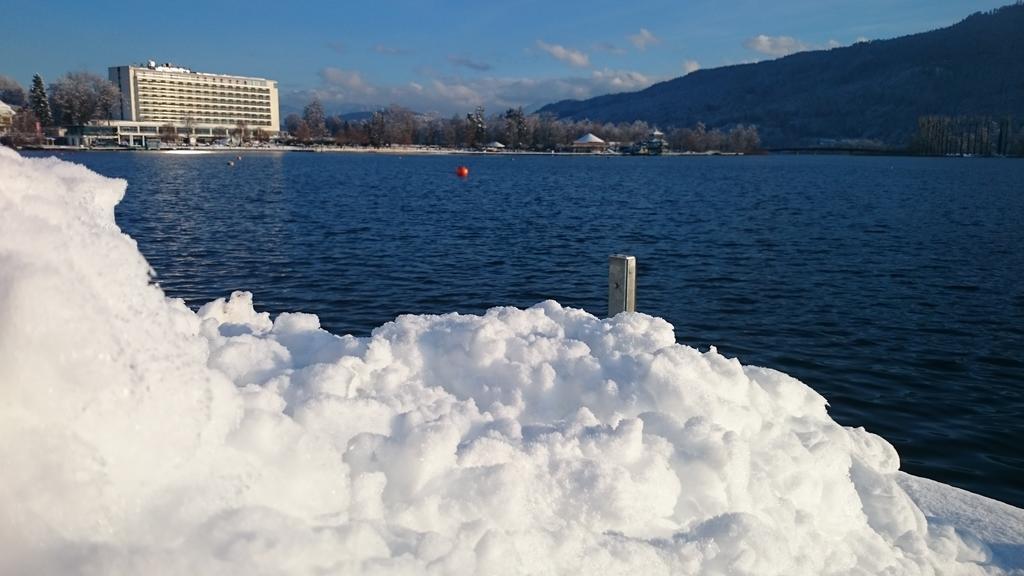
x=302, y=132
x=744, y=139
x=352, y=134
x=291, y=123
x=168, y=134
x=400, y=125
x=190, y=124
x=241, y=132
x=476, y=127
x=376, y=129
x=313, y=114
x=334, y=125
x=25, y=128
x=515, y=127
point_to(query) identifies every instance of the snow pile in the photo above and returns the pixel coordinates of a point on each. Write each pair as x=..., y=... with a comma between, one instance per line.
x=138, y=437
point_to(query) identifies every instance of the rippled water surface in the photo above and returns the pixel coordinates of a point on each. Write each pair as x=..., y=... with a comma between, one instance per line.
x=893, y=286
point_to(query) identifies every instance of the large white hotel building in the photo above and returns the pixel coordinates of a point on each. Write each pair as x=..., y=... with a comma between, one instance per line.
x=200, y=106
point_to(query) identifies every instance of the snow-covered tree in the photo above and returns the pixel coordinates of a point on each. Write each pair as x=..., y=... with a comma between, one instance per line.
x=313, y=114
x=515, y=127
x=38, y=101
x=376, y=129
x=79, y=97
x=400, y=125
x=477, y=127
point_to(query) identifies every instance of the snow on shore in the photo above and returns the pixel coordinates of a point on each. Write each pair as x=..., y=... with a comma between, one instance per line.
x=139, y=437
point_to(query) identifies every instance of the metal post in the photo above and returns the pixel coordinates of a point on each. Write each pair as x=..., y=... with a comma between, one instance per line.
x=621, y=284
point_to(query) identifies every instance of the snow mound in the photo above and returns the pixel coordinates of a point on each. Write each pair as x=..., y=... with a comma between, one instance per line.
x=139, y=437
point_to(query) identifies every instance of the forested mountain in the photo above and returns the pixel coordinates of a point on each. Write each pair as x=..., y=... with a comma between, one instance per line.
x=871, y=91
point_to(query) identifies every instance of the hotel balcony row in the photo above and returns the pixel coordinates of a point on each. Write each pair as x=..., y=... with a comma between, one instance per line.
x=220, y=84
x=183, y=121
x=205, y=111
x=202, y=101
x=202, y=94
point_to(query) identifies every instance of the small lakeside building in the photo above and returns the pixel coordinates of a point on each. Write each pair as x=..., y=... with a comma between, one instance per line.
x=654, y=145
x=588, y=143
x=6, y=117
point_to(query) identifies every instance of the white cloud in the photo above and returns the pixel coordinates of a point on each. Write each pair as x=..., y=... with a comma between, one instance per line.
x=347, y=82
x=775, y=45
x=690, y=66
x=567, y=55
x=786, y=45
x=347, y=90
x=643, y=38
x=861, y=39
x=620, y=80
x=461, y=94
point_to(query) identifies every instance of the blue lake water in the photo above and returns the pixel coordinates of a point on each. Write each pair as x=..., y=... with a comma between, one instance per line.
x=893, y=286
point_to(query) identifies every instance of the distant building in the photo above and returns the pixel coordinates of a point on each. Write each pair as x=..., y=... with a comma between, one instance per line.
x=654, y=145
x=589, y=143
x=6, y=117
x=200, y=106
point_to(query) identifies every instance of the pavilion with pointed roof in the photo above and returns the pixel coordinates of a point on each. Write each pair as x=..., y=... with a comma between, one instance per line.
x=589, y=143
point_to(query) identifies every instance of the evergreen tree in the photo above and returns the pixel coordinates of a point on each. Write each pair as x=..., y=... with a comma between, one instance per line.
x=38, y=102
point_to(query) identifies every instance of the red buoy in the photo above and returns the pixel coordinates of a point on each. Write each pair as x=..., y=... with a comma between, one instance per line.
x=462, y=171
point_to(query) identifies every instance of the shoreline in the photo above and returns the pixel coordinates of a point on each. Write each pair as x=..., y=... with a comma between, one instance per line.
x=389, y=150
x=429, y=151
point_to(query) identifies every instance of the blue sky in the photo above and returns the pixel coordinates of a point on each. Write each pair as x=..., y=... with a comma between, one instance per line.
x=447, y=57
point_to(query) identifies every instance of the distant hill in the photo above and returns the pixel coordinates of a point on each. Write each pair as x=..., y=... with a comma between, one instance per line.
x=869, y=91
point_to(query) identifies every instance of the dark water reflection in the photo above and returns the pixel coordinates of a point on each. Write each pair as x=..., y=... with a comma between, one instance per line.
x=894, y=286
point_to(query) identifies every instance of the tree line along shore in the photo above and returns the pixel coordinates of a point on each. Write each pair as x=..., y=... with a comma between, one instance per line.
x=79, y=98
